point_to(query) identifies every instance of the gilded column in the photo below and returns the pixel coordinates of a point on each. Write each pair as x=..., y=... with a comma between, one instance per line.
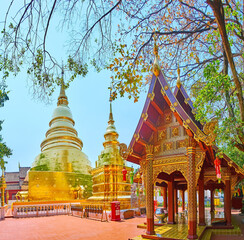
x=165, y=196
x=192, y=201
x=171, y=215
x=227, y=202
x=149, y=190
x=201, y=201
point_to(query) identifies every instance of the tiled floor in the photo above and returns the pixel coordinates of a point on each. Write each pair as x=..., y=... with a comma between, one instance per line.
x=68, y=228
x=180, y=230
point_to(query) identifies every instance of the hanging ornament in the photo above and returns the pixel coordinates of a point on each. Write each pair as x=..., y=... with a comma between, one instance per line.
x=217, y=163
x=131, y=176
x=124, y=172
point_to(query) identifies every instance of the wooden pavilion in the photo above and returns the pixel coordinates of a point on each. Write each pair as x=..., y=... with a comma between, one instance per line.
x=176, y=152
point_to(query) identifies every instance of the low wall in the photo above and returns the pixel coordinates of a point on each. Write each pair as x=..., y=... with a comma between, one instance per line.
x=32, y=209
x=3, y=211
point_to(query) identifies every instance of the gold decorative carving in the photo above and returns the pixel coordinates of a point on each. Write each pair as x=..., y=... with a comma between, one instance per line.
x=188, y=120
x=163, y=92
x=172, y=108
x=169, y=165
x=185, y=125
x=207, y=136
x=187, y=100
x=166, y=87
x=136, y=136
x=149, y=149
x=199, y=159
x=151, y=96
x=168, y=118
x=170, y=160
x=175, y=104
x=156, y=148
x=181, y=143
x=123, y=150
x=144, y=116
x=175, y=132
x=168, y=146
x=162, y=134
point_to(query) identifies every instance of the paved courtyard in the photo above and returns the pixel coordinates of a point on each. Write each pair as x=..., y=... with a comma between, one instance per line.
x=68, y=228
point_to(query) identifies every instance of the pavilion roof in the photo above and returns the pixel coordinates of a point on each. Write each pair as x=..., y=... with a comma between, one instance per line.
x=159, y=98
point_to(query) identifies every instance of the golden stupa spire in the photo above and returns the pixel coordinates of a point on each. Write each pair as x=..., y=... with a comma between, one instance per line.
x=111, y=113
x=62, y=99
x=178, y=78
x=111, y=133
x=156, y=67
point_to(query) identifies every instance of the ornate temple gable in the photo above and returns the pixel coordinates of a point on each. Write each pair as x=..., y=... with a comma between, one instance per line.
x=171, y=137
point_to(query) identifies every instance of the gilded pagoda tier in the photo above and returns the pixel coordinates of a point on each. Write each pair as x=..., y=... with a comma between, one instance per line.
x=61, y=168
x=108, y=185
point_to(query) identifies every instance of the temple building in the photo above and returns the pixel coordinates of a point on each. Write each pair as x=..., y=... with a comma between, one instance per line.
x=177, y=153
x=15, y=182
x=61, y=169
x=109, y=184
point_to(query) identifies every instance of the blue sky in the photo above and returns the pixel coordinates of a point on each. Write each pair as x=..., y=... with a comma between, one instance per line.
x=26, y=120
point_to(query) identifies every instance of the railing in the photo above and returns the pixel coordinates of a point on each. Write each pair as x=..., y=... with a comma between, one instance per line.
x=96, y=212
x=3, y=211
x=39, y=210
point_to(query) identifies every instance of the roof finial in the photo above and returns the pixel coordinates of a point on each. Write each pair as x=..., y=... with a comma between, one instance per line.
x=178, y=78
x=110, y=100
x=62, y=99
x=156, y=67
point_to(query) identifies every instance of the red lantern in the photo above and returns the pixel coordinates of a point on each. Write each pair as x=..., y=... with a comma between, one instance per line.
x=124, y=172
x=217, y=164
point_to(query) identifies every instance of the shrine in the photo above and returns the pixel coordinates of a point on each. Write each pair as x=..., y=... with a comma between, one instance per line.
x=176, y=152
x=109, y=176
x=61, y=169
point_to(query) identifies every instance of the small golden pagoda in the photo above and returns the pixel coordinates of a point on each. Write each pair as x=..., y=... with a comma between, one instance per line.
x=108, y=182
x=61, y=168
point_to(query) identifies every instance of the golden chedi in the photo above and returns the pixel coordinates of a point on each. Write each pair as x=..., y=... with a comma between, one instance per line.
x=62, y=168
x=108, y=184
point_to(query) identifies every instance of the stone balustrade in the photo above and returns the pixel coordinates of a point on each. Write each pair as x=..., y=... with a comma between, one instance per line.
x=39, y=210
x=3, y=211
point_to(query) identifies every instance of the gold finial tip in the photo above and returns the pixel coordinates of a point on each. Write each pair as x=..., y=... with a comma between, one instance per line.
x=178, y=79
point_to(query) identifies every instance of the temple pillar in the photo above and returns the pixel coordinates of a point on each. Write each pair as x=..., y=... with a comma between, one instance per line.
x=183, y=199
x=227, y=202
x=201, y=206
x=171, y=215
x=212, y=203
x=149, y=190
x=192, y=201
x=165, y=197
x=175, y=201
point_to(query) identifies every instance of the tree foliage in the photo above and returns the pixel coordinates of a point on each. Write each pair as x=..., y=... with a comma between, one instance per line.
x=4, y=150
x=204, y=38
